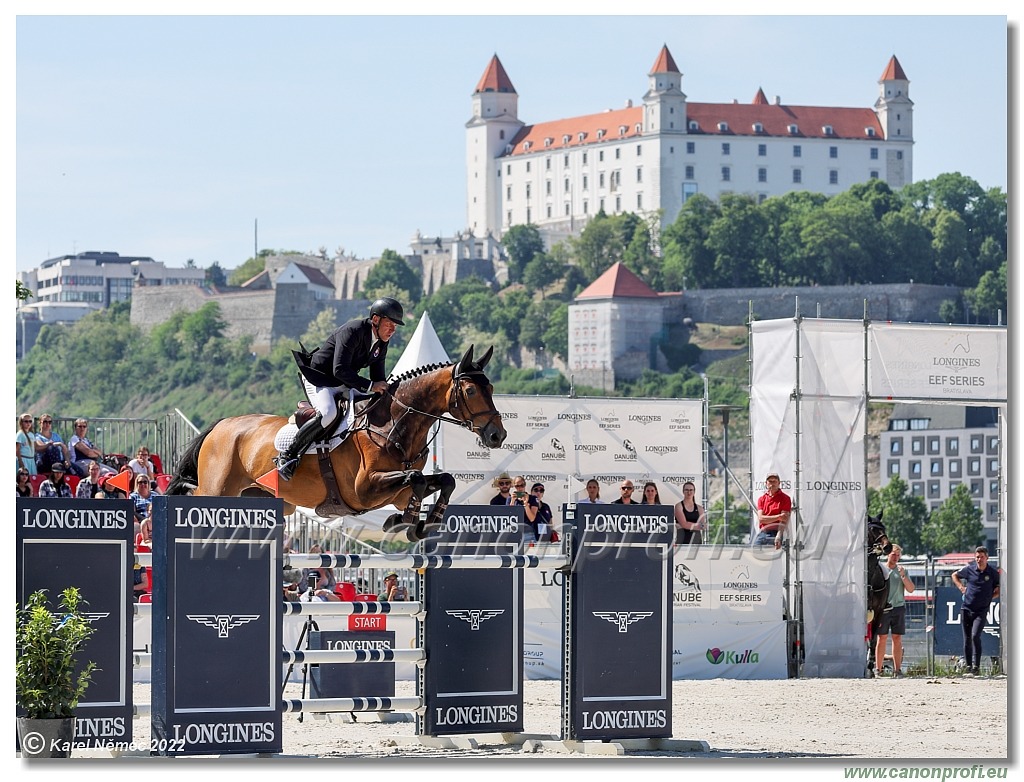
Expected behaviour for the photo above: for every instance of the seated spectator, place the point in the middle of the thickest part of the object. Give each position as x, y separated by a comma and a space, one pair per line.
89, 487
82, 447
142, 464
56, 485
392, 589
140, 581
25, 444
54, 449
142, 497
144, 539
24, 484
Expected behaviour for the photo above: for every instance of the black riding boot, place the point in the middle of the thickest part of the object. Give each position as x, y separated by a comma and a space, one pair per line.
309, 433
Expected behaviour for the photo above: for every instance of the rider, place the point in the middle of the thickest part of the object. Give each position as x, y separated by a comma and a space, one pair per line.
334, 368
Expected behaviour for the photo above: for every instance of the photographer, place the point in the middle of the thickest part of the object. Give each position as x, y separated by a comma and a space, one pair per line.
531, 507
392, 589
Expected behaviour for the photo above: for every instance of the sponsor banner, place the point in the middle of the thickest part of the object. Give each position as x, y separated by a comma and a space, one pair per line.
479, 613
404, 628
564, 442
949, 637
352, 680
958, 363
217, 625
743, 586
88, 545
620, 623
724, 650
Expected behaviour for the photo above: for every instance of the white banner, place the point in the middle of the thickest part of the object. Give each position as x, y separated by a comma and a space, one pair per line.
927, 361
722, 650
726, 584
564, 442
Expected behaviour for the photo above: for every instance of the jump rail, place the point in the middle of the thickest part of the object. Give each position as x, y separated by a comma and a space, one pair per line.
428, 561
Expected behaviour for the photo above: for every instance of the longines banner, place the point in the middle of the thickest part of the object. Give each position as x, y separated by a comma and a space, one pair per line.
217, 625
88, 545
949, 637
959, 363
562, 443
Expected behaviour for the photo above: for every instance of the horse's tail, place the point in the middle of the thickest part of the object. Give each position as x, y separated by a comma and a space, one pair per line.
187, 477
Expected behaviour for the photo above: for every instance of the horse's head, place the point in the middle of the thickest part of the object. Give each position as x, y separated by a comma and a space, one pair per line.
878, 541
470, 399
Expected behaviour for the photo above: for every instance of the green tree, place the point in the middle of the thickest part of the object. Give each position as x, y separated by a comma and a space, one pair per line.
215, 275
949, 311
739, 522
907, 246
320, 328
556, 337
904, 514
953, 262
735, 239
688, 260
448, 311
250, 268
20, 291
955, 525
541, 272
522, 243
392, 276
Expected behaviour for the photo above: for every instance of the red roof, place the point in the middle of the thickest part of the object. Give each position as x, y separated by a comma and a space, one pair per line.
664, 63
893, 71
495, 79
760, 99
618, 282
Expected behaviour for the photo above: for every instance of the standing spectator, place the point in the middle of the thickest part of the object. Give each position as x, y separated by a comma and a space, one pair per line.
24, 484
82, 447
593, 493
89, 487
504, 484
773, 510
544, 514
894, 618
25, 444
979, 584
142, 464
651, 496
142, 497
690, 517
54, 449
626, 490
529, 504
55, 485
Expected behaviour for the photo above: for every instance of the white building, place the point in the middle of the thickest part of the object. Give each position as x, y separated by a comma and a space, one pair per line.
557, 174
935, 448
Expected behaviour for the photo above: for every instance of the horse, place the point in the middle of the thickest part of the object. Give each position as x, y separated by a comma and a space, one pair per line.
878, 583
379, 462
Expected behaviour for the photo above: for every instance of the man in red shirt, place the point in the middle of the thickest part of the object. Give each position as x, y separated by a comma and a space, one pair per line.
773, 509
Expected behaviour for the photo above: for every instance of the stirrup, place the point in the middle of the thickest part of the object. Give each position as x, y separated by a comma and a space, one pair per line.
285, 466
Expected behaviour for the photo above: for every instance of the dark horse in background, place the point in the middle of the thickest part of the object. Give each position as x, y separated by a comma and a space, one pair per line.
878, 585
379, 463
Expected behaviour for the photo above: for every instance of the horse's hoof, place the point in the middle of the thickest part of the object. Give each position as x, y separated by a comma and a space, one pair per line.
412, 534
393, 523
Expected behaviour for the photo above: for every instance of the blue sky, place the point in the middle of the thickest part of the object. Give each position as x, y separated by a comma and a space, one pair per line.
169, 136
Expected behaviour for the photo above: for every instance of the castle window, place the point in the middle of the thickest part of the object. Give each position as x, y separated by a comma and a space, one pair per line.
798, 176
618, 203
547, 187
600, 156
793, 129
691, 147
726, 174
639, 200
617, 153
585, 207
639, 175
600, 134
600, 179
694, 125
508, 192
726, 148
508, 169
899, 155
549, 211
566, 139
639, 150
526, 146
501, 135
762, 150
566, 185
547, 164
762, 175
566, 208
527, 166
622, 130
797, 150
827, 130
757, 127
565, 161
548, 141
833, 177
584, 158
638, 128
870, 132
874, 153
833, 152
585, 181
689, 172
581, 136
723, 127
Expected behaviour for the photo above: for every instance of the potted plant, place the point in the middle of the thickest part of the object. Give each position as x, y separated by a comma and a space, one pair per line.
47, 689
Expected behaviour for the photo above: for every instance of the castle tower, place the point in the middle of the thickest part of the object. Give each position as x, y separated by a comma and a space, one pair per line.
895, 111
492, 127
664, 102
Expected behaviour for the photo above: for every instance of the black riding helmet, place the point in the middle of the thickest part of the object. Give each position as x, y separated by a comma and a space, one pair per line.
388, 308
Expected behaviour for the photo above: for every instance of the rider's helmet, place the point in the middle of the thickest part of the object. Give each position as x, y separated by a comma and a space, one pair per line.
388, 308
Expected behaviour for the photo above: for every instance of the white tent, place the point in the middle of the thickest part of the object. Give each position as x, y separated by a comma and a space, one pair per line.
424, 348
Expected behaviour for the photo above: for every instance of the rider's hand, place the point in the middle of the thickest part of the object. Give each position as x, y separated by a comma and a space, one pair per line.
378, 386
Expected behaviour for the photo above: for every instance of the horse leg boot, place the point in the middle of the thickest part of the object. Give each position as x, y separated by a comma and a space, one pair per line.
311, 432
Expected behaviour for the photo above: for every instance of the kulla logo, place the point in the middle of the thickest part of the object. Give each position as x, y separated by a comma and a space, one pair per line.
717, 656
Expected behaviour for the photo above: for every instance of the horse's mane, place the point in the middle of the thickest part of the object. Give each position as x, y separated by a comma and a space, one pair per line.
422, 371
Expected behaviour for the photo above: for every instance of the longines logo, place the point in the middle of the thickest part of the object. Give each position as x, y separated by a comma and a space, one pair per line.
591, 448
678, 480
222, 623
740, 579
468, 476
610, 421
661, 450
537, 420
474, 616
518, 447
623, 619
644, 419
833, 488
679, 423
509, 416
574, 416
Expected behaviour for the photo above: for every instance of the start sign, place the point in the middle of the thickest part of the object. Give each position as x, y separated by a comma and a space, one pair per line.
358, 622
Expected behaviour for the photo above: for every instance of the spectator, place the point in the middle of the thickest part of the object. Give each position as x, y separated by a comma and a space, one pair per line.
894, 618
142, 497
54, 449
773, 510
392, 589
651, 496
544, 514
521, 497
25, 444
82, 447
24, 484
323, 586
144, 538
979, 584
626, 490
142, 464
690, 517
89, 487
55, 485
140, 580
504, 484
593, 493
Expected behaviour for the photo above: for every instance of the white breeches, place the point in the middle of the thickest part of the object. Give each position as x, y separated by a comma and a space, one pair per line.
322, 398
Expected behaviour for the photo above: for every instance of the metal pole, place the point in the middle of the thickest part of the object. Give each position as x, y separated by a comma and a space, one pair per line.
725, 512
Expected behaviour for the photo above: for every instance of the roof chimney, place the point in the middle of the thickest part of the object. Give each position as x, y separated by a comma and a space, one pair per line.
778, 101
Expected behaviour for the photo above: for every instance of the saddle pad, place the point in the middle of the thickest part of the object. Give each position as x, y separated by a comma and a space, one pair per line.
286, 435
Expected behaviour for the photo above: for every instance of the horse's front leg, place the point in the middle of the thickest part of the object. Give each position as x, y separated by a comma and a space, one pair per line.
398, 482
445, 484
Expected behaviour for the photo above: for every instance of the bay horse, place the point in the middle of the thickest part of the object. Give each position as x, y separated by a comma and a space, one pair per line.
878, 583
379, 462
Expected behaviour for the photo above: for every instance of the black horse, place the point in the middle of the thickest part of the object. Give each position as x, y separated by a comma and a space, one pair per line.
878, 584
